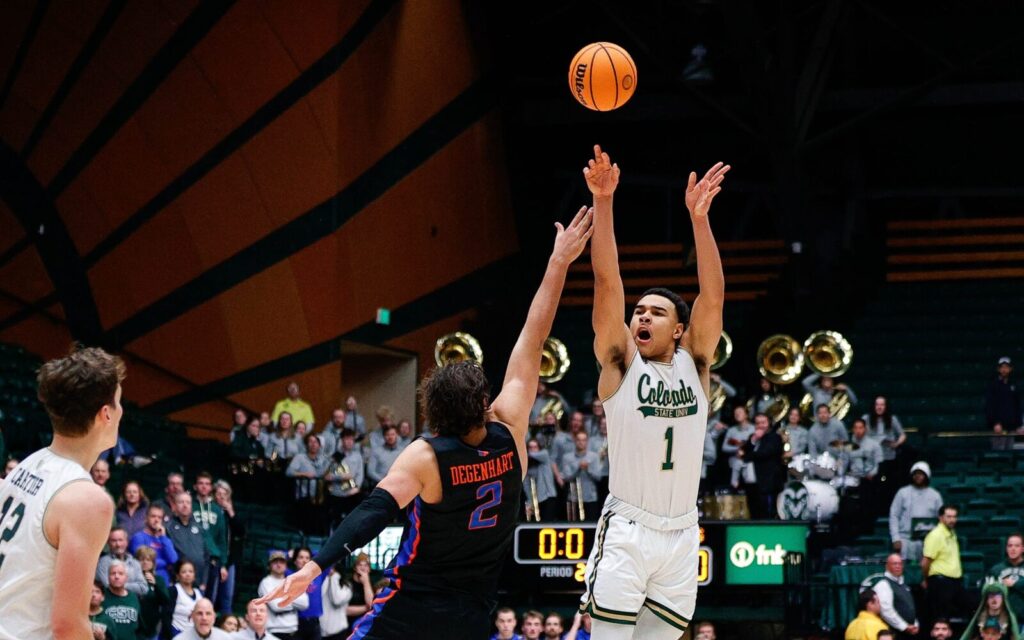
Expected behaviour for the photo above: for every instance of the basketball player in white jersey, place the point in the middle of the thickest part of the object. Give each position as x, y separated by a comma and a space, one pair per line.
54, 520
641, 579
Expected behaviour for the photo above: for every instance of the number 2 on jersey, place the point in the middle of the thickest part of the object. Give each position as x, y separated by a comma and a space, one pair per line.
17, 514
477, 520
667, 465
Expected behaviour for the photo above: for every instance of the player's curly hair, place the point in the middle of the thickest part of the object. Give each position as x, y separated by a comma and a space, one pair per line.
682, 309
454, 398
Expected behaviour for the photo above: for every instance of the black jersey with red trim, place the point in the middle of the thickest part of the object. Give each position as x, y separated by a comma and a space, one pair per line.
460, 542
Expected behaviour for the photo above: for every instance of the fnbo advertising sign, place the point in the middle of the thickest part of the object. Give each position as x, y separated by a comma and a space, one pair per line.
755, 553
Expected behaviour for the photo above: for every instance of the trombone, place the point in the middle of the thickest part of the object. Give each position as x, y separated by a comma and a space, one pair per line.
534, 502
571, 514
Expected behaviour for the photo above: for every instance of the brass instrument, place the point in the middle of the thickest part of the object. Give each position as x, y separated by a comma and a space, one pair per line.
776, 411
554, 360
579, 511
780, 359
828, 354
579, 498
457, 347
722, 354
342, 470
535, 503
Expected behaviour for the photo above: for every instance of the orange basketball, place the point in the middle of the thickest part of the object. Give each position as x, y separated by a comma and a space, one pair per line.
602, 76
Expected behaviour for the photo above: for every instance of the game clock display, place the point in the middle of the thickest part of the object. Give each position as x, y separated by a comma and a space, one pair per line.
553, 543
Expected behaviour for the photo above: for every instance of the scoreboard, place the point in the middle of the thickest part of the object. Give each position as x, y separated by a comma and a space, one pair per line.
553, 556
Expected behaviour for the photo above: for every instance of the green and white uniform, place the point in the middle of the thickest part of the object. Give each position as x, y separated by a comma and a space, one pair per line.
27, 559
645, 554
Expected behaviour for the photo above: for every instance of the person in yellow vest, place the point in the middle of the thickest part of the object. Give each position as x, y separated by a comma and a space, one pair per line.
943, 574
295, 405
868, 622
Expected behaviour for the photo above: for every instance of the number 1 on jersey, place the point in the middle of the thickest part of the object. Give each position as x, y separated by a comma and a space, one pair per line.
667, 465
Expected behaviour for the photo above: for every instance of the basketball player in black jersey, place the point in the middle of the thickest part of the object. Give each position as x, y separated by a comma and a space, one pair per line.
461, 490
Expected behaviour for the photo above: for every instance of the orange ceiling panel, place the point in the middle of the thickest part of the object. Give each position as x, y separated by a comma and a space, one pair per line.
139, 32
40, 336
11, 230
125, 282
61, 35
25, 276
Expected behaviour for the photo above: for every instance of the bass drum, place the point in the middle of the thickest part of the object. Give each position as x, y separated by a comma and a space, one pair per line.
808, 500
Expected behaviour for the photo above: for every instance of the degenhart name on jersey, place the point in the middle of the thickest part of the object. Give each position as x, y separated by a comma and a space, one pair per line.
27, 482
660, 401
496, 466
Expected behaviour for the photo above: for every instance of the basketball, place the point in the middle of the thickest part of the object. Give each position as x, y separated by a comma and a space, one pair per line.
602, 76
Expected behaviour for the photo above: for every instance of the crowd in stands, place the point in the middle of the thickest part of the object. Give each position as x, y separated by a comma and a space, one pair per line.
170, 566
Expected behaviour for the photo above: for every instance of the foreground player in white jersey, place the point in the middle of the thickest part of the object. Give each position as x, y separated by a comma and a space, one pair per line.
54, 520
641, 579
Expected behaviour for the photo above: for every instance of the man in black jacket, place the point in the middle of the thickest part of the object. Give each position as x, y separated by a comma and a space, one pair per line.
1002, 404
764, 449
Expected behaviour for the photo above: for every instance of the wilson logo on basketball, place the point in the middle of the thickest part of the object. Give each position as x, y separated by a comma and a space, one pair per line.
581, 72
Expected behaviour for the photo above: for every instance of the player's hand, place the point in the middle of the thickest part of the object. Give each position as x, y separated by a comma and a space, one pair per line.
700, 194
602, 176
570, 241
292, 587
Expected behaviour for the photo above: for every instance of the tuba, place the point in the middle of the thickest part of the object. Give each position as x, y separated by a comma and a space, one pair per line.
554, 360
776, 411
346, 485
722, 354
457, 347
780, 359
554, 363
829, 354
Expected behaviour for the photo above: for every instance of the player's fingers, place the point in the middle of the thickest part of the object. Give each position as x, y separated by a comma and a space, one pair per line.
597, 151
714, 192
586, 172
559, 228
579, 216
712, 170
615, 169
605, 159
691, 181
591, 164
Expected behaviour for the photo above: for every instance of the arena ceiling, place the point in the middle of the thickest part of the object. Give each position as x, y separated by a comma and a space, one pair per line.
225, 190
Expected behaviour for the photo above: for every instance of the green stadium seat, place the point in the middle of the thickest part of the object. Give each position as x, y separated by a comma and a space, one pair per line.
971, 525
1002, 525
1012, 477
981, 479
997, 460
960, 493
1004, 493
982, 508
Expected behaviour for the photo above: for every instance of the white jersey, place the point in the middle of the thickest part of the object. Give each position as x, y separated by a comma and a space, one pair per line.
27, 559
656, 424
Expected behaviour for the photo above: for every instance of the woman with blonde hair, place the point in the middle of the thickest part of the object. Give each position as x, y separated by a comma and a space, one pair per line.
131, 508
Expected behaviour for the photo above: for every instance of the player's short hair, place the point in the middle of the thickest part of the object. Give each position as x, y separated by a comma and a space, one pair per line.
74, 388
454, 398
504, 610
682, 309
533, 614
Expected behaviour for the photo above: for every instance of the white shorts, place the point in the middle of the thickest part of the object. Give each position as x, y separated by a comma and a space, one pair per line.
633, 566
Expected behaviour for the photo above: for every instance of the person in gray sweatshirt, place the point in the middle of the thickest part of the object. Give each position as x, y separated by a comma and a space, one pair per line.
735, 436
822, 388
824, 432
540, 476
913, 512
581, 469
